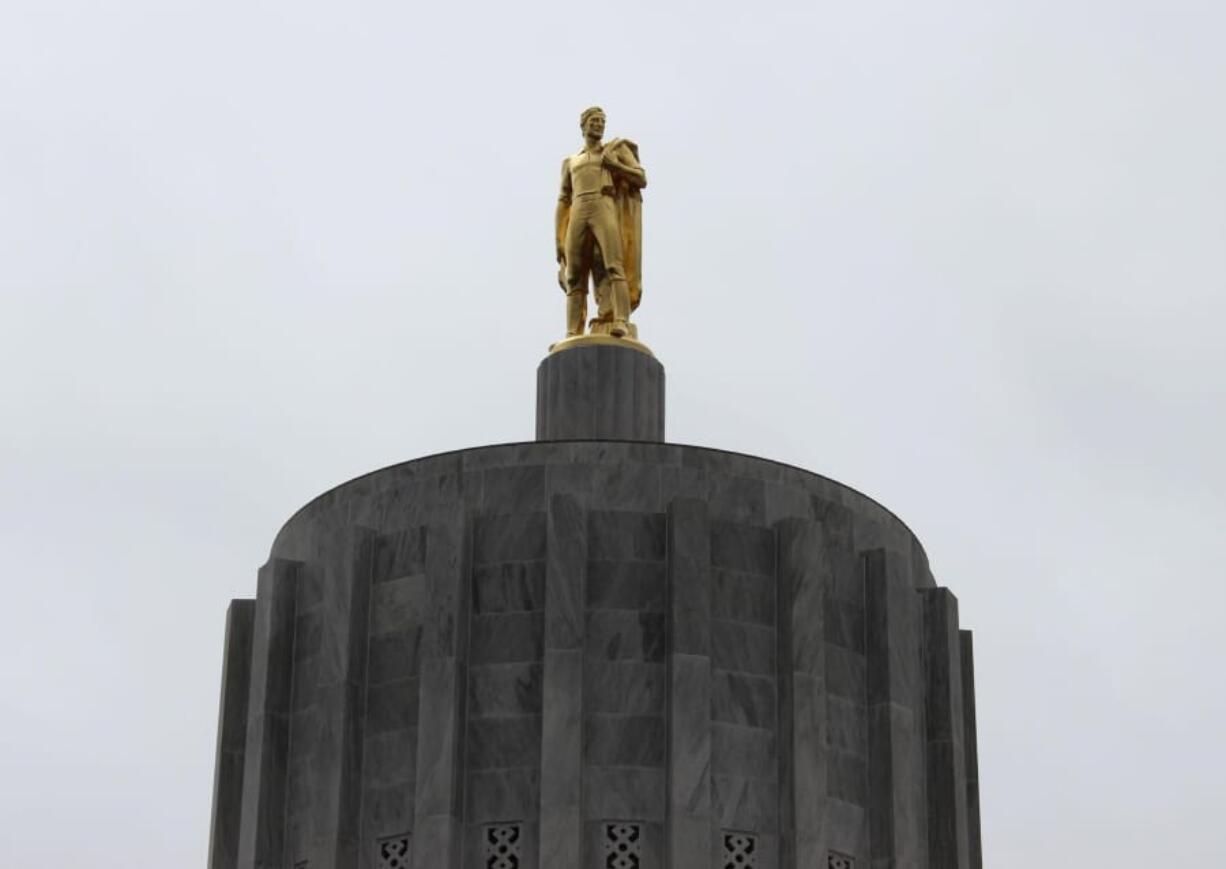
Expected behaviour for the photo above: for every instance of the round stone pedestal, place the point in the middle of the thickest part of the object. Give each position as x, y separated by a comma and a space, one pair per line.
600, 389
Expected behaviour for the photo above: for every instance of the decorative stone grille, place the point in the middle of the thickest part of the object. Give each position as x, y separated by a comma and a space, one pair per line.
623, 846
740, 850
394, 852
502, 846
840, 861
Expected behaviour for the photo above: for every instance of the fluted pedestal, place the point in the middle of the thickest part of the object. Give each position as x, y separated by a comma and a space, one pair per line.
600, 389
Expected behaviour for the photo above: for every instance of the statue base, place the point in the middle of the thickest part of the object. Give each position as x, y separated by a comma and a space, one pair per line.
597, 339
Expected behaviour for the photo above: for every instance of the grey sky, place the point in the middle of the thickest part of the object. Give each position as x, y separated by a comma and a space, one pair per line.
966, 257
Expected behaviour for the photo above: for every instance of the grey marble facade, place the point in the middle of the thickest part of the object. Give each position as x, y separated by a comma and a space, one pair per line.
597, 654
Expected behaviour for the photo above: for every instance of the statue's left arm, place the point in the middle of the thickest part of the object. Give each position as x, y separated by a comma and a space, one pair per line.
620, 158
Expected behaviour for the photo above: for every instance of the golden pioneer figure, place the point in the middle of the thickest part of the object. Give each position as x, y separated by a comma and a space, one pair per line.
599, 231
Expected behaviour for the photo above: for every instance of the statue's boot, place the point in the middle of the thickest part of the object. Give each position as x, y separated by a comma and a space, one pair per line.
621, 309
576, 313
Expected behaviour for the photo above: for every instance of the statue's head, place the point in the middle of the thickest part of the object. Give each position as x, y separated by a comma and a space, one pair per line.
592, 122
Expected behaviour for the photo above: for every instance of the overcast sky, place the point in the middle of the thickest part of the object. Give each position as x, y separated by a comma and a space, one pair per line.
969, 258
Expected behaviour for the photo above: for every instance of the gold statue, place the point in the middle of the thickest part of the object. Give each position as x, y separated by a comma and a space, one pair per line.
599, 231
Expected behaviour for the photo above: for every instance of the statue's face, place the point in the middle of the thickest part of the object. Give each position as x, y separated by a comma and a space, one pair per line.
594, 125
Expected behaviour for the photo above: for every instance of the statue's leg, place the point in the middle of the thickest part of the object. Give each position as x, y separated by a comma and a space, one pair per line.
578, 252
604, 298
576, 313
608, 236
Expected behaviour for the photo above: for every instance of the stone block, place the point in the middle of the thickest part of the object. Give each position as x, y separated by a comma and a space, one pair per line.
742, 751
621, 535
391, 757
846, 673
395, 655
746, 548
740, 500
397, 604
506, 637
787, 500
387, 810
504, 689
391, 705
399, 553
681, 482
625, 792
740, 803
738, 698
625, 687
437, 841
844, 624
847, 725
561, 837
499, 794
625, 740
494, 743
573, 478
748, 597
689, 842
848, 779
847, 830
518, 586
743, 647
630, 585
513, 489
621, 635
308, 632
509, 537
632, 486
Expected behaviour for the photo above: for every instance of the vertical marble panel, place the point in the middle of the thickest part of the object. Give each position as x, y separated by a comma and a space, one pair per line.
330, 655
261, 840
231, 736
689, 672
970, 735
353, 568
439, 803
893, 652
803, 578
561, 821
947, 827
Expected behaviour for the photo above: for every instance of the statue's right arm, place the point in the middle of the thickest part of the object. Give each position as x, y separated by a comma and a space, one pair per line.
562, 216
